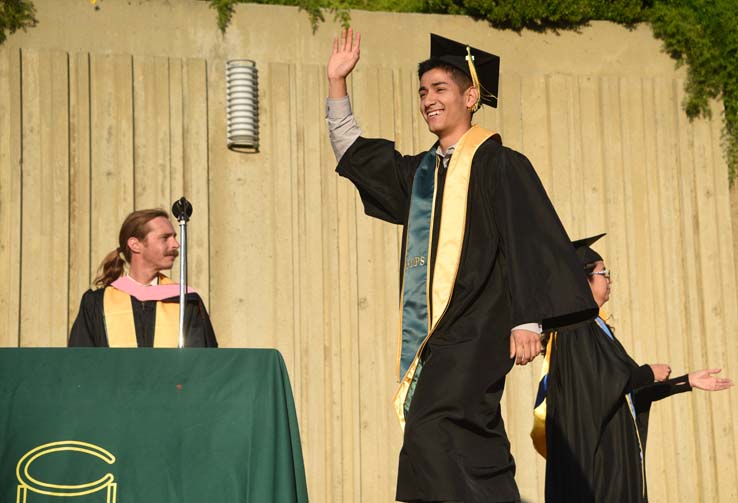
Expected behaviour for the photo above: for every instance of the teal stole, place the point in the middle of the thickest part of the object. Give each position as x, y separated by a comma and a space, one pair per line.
415, 315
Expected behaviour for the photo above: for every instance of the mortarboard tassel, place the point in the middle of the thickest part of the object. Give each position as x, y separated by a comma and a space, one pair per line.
475, 80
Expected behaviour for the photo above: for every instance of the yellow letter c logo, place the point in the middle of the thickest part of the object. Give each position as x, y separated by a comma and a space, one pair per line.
28, 483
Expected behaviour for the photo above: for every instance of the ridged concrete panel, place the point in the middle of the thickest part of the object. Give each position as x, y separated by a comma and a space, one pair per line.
44, 198
10, 196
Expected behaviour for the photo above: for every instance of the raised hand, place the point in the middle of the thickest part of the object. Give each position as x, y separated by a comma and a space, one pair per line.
343, 59
705, 380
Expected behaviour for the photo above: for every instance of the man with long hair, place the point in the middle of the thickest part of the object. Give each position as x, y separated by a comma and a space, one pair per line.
140, 307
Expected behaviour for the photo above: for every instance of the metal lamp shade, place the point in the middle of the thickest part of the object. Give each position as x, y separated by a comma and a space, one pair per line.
242, 105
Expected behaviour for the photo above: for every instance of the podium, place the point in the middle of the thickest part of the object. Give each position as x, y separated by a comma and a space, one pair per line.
142, 425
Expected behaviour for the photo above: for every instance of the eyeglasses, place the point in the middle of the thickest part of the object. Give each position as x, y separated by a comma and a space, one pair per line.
604, 273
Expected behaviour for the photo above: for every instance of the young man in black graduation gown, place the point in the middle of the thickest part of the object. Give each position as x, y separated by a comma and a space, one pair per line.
597, 403
485, 261
141, 308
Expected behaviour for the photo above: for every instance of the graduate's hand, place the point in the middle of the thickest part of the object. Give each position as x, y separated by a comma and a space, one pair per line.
661, 371
343, 59
524, 346
705, 380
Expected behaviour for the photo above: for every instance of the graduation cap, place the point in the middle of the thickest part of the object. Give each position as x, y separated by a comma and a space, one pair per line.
482, 67
585, 254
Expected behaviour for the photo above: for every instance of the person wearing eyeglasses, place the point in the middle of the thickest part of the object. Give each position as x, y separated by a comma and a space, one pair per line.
593, 403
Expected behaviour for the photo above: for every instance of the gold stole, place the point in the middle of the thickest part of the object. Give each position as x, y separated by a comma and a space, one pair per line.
448, 252
119, 325
538, 433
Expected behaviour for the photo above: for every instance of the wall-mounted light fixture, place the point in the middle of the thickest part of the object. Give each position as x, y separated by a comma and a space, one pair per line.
242, 105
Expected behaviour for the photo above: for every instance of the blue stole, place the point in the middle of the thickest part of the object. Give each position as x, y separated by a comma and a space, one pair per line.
415, 298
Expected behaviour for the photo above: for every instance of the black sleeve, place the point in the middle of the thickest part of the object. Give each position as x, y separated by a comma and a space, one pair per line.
200, 333
545, 279
656, 391
639, 377
586, 366
382, 176
88, 329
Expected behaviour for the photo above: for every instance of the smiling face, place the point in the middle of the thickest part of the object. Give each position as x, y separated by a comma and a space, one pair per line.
446, 108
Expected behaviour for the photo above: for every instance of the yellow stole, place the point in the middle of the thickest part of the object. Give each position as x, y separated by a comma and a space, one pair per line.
119, 325
448, 254
538, 433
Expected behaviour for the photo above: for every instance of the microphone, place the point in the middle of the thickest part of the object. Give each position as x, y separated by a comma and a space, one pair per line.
182, 209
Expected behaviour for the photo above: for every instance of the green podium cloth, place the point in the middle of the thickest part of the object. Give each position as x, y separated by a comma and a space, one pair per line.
190, 425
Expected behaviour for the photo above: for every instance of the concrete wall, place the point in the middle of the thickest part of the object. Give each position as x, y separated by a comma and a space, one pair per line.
122, 107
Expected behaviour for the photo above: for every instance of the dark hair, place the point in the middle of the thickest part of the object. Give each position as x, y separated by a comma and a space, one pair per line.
135, 225
462, 79
589, 268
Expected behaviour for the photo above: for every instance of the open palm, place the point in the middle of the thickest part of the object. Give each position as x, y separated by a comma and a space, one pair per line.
705, 380
345, 54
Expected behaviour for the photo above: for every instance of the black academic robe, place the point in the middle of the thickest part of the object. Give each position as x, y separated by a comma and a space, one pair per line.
88, 329
592, 441
517, 266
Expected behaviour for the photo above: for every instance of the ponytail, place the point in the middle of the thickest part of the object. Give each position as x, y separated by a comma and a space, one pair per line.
111, 268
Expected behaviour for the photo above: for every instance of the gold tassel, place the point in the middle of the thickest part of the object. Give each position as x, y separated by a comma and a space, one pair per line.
475, 81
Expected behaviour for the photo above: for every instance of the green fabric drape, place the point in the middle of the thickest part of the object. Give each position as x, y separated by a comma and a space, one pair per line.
188, 425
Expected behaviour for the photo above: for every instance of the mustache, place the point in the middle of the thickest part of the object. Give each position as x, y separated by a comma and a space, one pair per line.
173, 253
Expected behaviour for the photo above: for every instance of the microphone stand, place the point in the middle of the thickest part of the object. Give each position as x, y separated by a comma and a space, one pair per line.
182, 211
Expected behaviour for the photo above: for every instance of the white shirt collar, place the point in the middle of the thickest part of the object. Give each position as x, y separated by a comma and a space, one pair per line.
445, 158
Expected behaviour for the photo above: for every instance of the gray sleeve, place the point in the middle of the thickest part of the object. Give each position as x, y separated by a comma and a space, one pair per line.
531, 327
342, 126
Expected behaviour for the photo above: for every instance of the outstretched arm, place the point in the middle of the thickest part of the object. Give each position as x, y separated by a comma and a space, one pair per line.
343, 59
701, 379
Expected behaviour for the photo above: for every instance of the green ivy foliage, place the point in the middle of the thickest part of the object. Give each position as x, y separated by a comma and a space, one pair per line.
541, 15
15, 15
314, 8
703, 35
